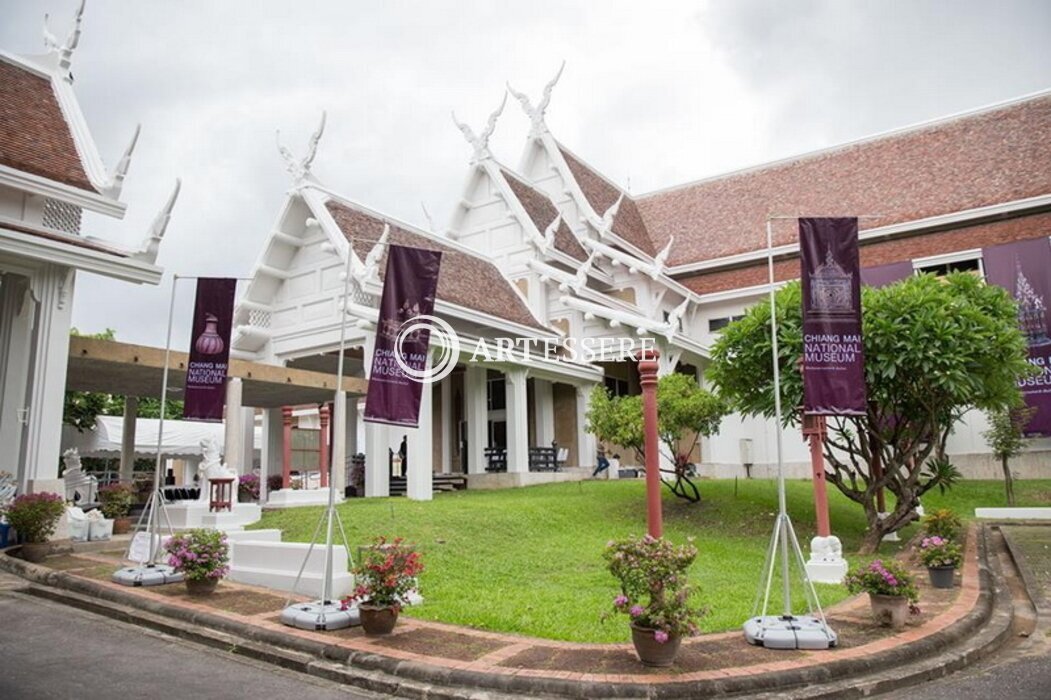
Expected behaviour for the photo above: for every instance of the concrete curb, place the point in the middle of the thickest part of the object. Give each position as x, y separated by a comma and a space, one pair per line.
405, 678
1033, 589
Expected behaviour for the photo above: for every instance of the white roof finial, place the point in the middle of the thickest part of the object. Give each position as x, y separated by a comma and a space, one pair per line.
480, 143
65, 51
116, 178
152, 243
536, 114
300, 169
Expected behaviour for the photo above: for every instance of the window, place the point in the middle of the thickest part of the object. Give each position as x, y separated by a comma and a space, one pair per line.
717, 324
943, 269
616, 387
497, 394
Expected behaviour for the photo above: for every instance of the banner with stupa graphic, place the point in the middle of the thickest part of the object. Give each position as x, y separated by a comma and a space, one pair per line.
213, 317
1023, 269
833, 356
402, 336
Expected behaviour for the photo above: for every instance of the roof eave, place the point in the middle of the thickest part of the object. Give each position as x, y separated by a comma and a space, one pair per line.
45, 187
128, 269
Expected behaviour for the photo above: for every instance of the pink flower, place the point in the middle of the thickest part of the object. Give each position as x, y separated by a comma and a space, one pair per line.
636, 610
620, 601
660, 636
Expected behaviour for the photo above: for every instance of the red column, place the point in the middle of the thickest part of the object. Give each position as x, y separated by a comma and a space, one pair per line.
324, 413
286, 448
648, 380
814, 429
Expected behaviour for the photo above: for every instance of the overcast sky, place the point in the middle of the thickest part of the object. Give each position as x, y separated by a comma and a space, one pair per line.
655, 93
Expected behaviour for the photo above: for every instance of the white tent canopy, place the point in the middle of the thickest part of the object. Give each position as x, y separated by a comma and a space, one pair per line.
182, 439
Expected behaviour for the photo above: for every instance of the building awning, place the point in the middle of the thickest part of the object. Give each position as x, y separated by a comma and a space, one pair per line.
137, 370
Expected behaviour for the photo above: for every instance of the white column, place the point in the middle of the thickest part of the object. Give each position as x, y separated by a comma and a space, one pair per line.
517, 421
247, 439
17, 311
476, 408
448, 434
273, 439
377, 440
544, 412
420, 449
339, 443
127, 439
48, 379
377, 469
586, 449
354, 441
233, 428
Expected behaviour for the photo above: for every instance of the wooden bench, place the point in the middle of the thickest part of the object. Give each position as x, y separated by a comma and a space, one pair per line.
544, 459
495, 459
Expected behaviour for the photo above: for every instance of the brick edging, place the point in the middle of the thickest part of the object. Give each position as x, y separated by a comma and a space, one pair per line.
539, 682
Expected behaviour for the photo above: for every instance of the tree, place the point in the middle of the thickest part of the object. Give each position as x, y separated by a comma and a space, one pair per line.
685, 413
935, 347
1006, 438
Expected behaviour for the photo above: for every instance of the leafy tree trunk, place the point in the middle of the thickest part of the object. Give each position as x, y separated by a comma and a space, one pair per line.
1009, 484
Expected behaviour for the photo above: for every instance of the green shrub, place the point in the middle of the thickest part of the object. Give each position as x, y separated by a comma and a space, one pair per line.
942, 523
116, 500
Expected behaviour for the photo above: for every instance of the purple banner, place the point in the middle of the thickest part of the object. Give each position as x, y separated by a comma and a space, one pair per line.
1022, 269
882, 275
833, 356
209, 350
403, 332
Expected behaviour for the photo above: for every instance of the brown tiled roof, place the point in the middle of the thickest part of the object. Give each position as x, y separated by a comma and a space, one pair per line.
975, 160
67, 238
628, 224
882, 252
34, 135
465, 279
542, 211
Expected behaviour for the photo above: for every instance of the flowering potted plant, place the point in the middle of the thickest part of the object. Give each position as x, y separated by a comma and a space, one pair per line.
201, 556
941, 557
34, 516
943, 522
385, 576
115, 500
248, 487
654, 594
892, 591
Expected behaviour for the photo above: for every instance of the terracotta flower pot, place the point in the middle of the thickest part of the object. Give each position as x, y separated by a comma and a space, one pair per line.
650, 651
201, 587
377, 620
890, 610
121, 526
941, 576
35, 552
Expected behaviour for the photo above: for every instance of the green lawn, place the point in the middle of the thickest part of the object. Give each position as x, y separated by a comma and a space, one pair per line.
529, 560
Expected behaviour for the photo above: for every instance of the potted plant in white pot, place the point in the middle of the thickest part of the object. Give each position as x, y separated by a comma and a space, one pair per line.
34, 516
655, 594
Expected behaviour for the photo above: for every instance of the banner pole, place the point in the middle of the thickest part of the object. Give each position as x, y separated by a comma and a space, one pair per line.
325, 614
785, 631
154, 516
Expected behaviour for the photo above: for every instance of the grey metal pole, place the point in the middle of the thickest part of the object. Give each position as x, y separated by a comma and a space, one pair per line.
155, 519
783, 508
